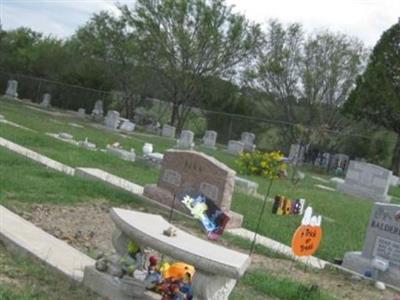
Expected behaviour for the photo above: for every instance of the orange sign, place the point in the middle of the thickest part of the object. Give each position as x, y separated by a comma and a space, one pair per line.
307, 237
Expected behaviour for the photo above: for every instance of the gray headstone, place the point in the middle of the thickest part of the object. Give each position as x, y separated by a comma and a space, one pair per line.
248, 138
382, 241
82, 112
12, 86
123, 154
235, 147
46, 101
186, 140
366, 180
168, 131
296, 153
210, 139
127, 126
98, 112
340, 160
112, 119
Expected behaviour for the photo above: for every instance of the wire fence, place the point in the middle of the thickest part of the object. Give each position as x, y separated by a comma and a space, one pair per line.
270, 134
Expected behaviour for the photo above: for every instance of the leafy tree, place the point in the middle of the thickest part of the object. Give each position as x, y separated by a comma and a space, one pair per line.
377, 94
304, 80
185, 41
108, 40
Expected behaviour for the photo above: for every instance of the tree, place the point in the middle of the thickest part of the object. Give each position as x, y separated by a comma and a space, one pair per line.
305, 80
377, 94
185, 41
109, 40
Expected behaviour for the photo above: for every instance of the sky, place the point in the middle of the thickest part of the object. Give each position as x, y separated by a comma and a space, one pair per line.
364, 19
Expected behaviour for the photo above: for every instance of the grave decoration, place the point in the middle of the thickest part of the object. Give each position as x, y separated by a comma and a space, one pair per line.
268, 165
173, 282
307, 237
287, 207
207, 212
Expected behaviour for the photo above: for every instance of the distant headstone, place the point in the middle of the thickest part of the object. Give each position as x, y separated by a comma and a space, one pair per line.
46, 101
296, 153
168, 131
210, 139
82, 112
98, 112
121, 153
395, 181
191, 171
112, 119
127, 126
246, 186
11, 91
366, 180
382, 243
248, 139
147, 149
186, 140
235, 147
341, 161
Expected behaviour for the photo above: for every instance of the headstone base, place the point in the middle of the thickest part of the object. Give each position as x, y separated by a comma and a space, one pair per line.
358, 192
115, 288
356, 262
166, 198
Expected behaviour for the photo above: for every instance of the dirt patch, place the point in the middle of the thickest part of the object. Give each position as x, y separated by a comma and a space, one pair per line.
88, 227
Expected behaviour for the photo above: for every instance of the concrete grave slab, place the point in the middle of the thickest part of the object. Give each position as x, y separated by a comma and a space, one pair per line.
278, 247
324, 187
24, 238
44, 160
108, 178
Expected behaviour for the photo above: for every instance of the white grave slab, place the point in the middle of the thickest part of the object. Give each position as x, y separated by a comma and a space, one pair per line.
24, 238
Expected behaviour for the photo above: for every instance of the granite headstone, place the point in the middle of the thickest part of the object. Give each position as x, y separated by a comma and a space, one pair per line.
366, 180
383, 242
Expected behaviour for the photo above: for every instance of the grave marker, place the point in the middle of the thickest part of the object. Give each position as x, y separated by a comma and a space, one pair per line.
382, 241
185, 171
366, 180
12, 86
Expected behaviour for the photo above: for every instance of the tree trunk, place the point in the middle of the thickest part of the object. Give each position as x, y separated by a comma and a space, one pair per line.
396, 157
174, 114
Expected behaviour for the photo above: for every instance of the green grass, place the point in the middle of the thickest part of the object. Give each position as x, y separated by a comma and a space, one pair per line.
29, 280
346, 217
282, 288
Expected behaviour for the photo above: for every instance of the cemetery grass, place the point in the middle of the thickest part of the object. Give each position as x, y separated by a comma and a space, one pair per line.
22, 278
345, 218
30, 183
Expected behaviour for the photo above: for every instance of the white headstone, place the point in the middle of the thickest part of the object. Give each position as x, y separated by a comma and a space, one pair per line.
147, 149
210, 139
12, 86
46, 101
127, 126
112, 119
168, 131
186, 140
248, 138
235, 147
367, 181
